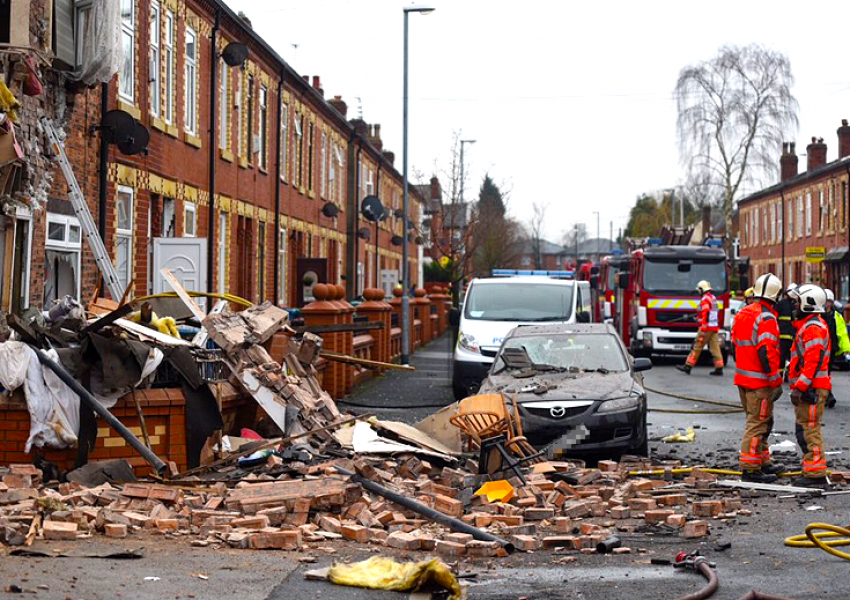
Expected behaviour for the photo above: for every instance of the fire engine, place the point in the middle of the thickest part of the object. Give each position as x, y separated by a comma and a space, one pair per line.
610, 268
658, 304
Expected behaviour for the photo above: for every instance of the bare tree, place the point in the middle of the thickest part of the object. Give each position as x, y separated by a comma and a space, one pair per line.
734, 112
536, 228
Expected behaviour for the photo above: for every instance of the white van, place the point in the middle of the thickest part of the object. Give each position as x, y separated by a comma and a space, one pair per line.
495, 305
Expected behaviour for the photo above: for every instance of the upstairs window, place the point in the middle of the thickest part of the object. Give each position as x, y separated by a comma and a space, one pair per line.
249, 106
126, 77
264, 120
310, 137
323, 166
191, 96
284, 142
299, 149
168, 56
224, 101
154, 68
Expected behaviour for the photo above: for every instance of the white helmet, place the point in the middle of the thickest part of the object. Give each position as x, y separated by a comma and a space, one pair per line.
791, 289
703, 286
812, 298
768, 287
830, 297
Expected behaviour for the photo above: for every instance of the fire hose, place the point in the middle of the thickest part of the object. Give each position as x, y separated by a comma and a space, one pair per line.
730, 407
831, 536
696, 562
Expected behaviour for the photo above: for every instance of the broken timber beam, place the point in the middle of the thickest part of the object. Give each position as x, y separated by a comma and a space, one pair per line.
344, 328
375, 364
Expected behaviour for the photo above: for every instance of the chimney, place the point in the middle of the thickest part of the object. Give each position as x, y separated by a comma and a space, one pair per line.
436, 191
789, 160
306, 79
375, 137
361, 127
815, 154
844, 139
340, 106
317, 85
245, 19
390, 156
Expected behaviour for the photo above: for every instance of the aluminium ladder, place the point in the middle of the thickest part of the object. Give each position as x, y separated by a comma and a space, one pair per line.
81, 209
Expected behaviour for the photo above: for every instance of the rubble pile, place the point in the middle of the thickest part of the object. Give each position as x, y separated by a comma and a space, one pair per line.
563, 507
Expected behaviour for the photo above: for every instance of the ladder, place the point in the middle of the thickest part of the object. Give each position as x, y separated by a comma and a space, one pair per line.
81, 209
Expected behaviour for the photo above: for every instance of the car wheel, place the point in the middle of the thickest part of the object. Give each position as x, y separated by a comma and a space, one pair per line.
459, 391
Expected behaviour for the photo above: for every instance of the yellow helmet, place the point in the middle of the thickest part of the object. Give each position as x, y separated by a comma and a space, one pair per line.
749, 293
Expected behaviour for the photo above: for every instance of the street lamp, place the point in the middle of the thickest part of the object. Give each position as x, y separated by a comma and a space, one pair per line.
405, 268
462, 142
595, 212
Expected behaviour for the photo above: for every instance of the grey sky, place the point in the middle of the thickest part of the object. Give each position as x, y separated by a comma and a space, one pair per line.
571, 102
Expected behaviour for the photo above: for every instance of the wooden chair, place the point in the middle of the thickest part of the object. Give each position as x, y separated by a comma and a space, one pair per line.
480, 417
517, 443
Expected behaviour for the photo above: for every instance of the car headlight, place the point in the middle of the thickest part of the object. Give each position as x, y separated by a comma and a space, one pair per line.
468, 342
631, 402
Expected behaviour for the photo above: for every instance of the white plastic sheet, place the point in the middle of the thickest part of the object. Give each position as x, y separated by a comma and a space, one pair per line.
100, 28
54, 408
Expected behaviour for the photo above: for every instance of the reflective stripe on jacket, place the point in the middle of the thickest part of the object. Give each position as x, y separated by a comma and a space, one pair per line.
709, 319
810, 356
756, 327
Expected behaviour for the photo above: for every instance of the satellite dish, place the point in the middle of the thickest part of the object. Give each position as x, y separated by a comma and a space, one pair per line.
397, 240
136, 142
117, 125
364, 233
235, 54
330, 210
372, 209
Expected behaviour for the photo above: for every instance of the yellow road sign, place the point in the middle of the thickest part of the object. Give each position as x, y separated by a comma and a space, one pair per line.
815, 254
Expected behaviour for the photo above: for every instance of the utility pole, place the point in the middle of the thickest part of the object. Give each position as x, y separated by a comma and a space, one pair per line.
576, 241
597, 236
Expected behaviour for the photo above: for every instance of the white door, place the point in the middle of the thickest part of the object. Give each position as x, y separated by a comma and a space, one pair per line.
389, 279
186, 258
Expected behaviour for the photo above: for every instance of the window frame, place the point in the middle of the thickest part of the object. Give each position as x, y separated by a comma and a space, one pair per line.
323, 166
65, 244
222, 252
190, 95
284, 141
264, 126
281, 253
261, 261
125, 234
311, 134
190, 208
128, 30
224, 109
168, 56
299, 149
155, 59
169, 205
249, 120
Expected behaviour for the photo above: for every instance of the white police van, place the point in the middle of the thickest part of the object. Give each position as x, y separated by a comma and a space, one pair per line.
493, 306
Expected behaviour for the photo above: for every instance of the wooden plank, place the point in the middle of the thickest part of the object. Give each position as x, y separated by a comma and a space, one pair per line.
200, 339
152, 334
353, 327
196, 310
769, 487
108, 319
281, 491
351, 360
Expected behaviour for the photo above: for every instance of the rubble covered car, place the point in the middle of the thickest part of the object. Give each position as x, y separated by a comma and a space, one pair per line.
578, 391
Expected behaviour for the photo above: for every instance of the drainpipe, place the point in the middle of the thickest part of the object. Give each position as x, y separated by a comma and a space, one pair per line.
102, 174
276, 261
377, 223
784, 226
212, 157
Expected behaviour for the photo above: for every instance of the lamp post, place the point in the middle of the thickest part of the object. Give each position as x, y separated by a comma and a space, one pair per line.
596, 212
405, 268
462, 142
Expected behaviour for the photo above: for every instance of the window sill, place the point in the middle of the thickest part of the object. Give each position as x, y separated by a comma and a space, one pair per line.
172, 131
127, 107
159, 124
193, 140
243, 162
226, 155
262, 170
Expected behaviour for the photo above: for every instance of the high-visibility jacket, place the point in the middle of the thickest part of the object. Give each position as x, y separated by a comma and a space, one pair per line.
756, 327
810, 356
708, 313
843, 345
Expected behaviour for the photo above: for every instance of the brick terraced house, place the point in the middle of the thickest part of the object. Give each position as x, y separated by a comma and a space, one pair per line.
805, 210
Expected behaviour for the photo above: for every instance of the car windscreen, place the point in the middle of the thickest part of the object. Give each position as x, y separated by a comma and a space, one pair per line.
682, 276
573, 351
526, 302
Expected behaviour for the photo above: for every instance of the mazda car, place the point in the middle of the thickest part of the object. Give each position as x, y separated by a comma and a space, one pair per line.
576, 388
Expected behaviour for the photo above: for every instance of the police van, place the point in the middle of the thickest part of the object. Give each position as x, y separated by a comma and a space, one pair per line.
493, 306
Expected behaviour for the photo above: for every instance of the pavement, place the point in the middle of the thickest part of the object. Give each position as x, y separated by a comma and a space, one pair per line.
756, 559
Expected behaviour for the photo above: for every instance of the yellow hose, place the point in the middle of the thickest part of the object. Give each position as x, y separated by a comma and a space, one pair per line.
818, 540
689, 470
228, 297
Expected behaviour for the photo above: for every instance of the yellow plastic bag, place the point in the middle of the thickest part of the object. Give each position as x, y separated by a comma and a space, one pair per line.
381, 573
678, 438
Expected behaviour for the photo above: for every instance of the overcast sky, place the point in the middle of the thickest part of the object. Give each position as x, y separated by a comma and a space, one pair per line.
571, 103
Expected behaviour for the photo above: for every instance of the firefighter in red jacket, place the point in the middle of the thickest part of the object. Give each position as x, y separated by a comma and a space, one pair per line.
810, 381
756, 338
709, 325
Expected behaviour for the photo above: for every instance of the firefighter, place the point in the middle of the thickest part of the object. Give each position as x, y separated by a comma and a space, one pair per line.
748, 296
756, 339
707, 334
837, 338
810, 382
785, 312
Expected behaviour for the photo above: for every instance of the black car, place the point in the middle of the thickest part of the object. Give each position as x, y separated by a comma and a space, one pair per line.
577, 389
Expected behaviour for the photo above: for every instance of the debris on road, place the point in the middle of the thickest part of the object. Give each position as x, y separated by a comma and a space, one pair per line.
680, 438
381, 573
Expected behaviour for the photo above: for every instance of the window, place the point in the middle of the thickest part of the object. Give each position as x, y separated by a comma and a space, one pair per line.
323, 166
154, 72
124, 236
222, 253
281, 265
284, 142
809, 213
370, 184
800, 215
299, 148
168, 55
126, 77
264, 123
168, 221
81, 33
224, 125
339, 183
261, 262
190, 219
756, 227
821, 212
780, 213
63, 248
240, 125
191, 83
310, 137
791, 218
249, 135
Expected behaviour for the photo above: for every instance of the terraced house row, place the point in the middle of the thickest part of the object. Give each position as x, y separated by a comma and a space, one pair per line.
290, 169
